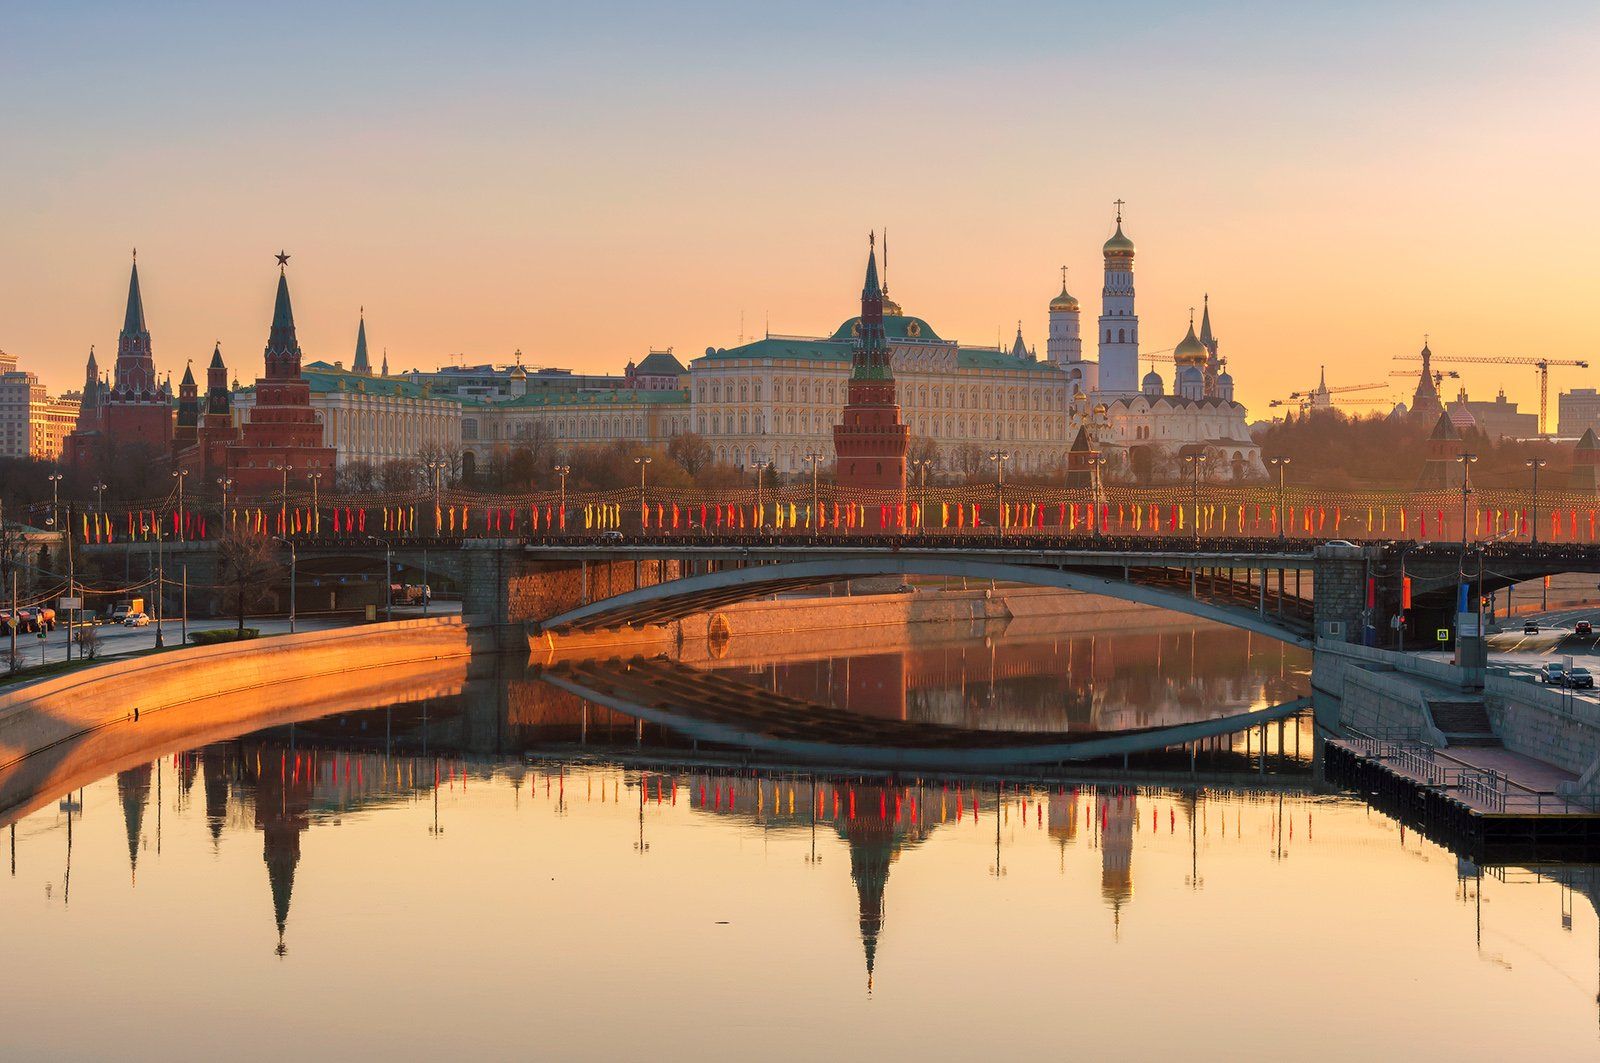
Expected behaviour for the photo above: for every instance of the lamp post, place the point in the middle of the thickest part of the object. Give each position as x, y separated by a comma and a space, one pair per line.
292, 576
314, 477
563, 471
99, 495
55, 500
1196, 463
223, 483
1097, 463
1280, 462
643, 463
1536, 464
1000, 457
283, 509
1466, 461
180, 475
388, 577
922, 465
813, 459
435, 471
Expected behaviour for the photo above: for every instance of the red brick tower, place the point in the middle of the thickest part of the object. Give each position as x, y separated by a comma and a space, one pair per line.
207, 458
136, 411
870, 442
283, 430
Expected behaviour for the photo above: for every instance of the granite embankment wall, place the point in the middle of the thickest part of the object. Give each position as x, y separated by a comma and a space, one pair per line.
1386, 693
38, 716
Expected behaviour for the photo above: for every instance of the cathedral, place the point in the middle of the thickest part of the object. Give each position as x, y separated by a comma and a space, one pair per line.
1144, 431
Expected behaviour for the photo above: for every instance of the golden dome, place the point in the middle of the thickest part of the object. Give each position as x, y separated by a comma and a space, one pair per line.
1119, 246
1191, 351
1064, 301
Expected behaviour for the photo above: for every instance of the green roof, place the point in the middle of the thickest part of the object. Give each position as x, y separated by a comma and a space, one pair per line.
787, 348
598, 397
990, 358
660, 363
894, 327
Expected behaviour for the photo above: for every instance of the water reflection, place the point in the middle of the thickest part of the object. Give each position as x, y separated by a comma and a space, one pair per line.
507, 869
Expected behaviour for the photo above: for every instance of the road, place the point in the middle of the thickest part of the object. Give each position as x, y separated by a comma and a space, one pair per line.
115, 640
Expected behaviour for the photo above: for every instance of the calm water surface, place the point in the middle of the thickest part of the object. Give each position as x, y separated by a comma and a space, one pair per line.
460, 876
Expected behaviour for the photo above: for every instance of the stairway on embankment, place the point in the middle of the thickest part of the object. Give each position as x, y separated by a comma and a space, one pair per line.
1463, 722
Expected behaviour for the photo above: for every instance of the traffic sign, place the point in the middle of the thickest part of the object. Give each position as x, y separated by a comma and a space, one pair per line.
69, 603
1443, 634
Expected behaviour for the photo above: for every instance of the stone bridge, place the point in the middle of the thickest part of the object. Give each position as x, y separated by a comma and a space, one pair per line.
589, 582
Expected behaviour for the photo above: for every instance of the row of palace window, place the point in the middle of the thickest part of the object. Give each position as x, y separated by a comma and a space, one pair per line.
937, 396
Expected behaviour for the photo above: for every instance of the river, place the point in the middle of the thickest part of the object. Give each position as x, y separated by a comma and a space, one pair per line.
506, 870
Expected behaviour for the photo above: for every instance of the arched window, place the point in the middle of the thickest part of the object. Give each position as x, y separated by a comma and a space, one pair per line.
1121, 337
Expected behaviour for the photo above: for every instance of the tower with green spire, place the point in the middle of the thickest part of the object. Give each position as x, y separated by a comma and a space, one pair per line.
870, 441
283, 433
362, 364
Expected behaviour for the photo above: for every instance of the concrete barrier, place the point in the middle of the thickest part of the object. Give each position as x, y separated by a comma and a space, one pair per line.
36, 716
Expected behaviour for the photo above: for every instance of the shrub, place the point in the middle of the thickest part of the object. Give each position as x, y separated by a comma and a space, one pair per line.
225, 634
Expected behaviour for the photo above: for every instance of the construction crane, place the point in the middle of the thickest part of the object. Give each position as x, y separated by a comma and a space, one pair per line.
1336, 391
1438, 375
1541, 364
1303, 400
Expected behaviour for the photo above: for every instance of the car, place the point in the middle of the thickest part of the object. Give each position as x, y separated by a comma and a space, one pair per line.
611, 535
1553, 674
136, 620
1530, 627
1580, 679
1583, 629
1340, 542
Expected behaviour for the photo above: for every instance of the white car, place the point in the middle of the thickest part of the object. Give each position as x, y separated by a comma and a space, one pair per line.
135, 620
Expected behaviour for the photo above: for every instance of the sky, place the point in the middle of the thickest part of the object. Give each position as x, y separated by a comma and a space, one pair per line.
586, 182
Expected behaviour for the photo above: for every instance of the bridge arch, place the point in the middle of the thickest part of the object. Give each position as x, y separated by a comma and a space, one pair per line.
676, 599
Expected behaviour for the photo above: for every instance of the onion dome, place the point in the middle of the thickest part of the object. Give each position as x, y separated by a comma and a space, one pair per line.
1119, 246
1191, 351
1151, 385
1064, 301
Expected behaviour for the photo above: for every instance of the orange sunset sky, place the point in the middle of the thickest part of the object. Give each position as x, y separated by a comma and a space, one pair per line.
584, 182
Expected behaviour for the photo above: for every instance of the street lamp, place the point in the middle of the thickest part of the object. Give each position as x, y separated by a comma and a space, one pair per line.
922, 465
1196, 463
1097, 462
563, 471
1466, 461
283, 514
388, 577
1000, 457
223, 483
55, 500
99, 495
180, 475
292, 574
436, 468
643, 463
314, 477
813, 459
1280, 462
1536, 464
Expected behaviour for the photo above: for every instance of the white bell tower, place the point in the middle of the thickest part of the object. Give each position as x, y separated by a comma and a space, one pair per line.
1119, 323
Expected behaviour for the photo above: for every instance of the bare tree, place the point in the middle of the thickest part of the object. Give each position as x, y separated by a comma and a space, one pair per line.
970, 461
691, 451
246, 562
924, 448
